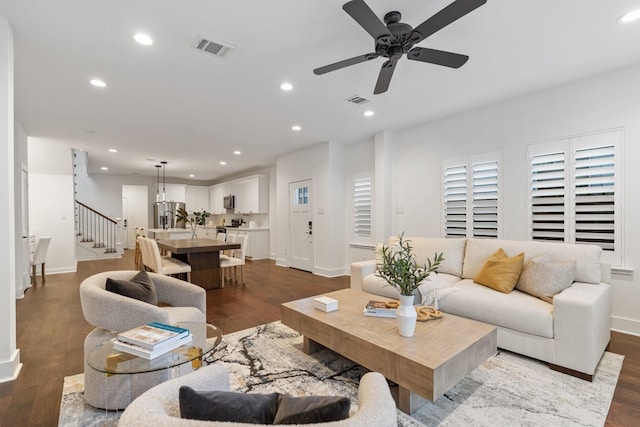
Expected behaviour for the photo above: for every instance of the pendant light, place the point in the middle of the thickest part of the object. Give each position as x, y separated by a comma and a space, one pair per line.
158, 183
163, 180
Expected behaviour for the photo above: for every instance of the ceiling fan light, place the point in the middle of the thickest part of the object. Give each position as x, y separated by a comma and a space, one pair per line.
630, 16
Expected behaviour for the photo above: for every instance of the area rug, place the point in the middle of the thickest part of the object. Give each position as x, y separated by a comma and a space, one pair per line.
507, 389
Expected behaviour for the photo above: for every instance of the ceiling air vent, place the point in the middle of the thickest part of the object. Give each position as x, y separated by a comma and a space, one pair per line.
218, 49
358, 100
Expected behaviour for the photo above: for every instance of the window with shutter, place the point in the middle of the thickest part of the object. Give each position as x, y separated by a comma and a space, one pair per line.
362, 206
574, 194
470, 198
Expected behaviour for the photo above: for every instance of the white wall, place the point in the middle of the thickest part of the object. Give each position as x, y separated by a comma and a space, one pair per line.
51, 201
603, 102
9, 355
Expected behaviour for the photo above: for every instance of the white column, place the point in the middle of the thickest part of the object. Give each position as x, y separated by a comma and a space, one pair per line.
9, 355
382, 188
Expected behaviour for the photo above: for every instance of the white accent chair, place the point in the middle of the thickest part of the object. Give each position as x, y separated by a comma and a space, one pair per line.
221, 236
39, 257
112, 313
237, 259
160, 405
162, 264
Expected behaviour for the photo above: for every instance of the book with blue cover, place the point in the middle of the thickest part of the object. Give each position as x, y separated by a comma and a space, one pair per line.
152, 354
153, 335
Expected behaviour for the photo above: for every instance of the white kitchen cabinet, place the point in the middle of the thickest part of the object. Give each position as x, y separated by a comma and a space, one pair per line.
216, 195
173, 192
251, 194
197, 198
257, 243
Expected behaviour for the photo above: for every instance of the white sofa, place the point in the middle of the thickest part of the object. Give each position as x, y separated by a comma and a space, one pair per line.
570, 334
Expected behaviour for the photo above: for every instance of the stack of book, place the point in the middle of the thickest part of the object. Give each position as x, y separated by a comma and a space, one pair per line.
378, 309
152, 340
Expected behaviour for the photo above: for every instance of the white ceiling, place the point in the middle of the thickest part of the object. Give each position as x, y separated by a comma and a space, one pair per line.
172, 102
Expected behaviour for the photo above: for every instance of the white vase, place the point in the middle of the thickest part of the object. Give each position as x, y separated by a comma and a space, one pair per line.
406, 316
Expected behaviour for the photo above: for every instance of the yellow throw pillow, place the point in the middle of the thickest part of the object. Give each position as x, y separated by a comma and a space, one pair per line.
500, 272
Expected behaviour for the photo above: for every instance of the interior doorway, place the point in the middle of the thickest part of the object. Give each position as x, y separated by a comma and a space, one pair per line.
26, 240
301, 225
135, 212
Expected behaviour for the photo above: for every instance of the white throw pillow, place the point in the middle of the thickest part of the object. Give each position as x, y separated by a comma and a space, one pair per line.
544, 278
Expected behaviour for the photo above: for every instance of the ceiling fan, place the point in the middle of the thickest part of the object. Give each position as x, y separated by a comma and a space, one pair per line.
394, 39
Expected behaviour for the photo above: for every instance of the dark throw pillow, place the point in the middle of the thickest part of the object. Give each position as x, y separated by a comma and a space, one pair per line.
227, 406
311, 409
140, 287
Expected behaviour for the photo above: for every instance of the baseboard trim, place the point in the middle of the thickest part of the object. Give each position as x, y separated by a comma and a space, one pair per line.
334, 272
10, 369
625, 325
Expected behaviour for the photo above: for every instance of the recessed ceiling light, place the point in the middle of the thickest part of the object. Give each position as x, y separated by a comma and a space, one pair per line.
368, 113
191, 175
286, 86
104, 168
630, 16
113, 150
295, 128
143, 38
98, 83
223, 163
237, 152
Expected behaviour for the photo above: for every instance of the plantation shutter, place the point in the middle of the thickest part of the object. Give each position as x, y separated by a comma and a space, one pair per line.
548, 204
455, 201
362, 191
484, 191
594, 186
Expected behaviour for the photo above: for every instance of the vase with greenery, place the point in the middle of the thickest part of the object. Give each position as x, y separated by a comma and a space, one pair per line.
194, 219
400, 269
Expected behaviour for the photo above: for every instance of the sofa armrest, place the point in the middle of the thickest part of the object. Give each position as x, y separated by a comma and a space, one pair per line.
359, 270
581, 316
375, 404
179, 293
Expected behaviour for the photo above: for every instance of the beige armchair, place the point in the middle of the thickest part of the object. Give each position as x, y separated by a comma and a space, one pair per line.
110, 312
159, 407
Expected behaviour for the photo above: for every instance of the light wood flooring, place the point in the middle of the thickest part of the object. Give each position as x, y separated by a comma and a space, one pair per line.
51, 329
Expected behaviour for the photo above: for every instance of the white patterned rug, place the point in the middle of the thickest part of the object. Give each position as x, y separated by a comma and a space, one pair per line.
507, 389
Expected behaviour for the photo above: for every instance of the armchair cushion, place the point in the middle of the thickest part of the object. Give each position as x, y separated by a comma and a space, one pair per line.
140, 287
215, 405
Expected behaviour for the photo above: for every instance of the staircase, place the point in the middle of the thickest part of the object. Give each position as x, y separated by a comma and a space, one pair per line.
96, 234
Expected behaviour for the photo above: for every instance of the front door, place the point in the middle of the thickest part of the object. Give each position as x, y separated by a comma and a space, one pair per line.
301, 225
134, 212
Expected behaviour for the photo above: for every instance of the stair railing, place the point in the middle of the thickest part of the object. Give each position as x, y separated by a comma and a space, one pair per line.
93, 226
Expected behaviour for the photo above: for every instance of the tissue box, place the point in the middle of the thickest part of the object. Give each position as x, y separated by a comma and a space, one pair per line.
325, 304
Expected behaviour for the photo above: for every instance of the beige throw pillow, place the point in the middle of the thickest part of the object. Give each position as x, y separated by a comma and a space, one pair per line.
544, 278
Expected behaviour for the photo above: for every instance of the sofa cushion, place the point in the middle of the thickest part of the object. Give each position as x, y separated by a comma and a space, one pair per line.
378, 286
587, 257
311, 409
543, 278
516, 310
139, 287
501, 272
213, 405
426, 247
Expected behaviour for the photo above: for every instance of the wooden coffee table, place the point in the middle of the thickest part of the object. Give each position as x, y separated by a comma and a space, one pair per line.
425, 366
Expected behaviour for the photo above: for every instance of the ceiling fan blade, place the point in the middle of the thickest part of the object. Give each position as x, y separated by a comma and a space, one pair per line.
345, 63
438, 57
368, 20
446, 16
384, 78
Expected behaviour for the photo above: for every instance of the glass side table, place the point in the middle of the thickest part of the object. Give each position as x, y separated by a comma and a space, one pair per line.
105, 358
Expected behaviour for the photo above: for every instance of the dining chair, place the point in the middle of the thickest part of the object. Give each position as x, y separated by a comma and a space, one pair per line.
39, 257
138, 252
236, 260
221, 236
165, 264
